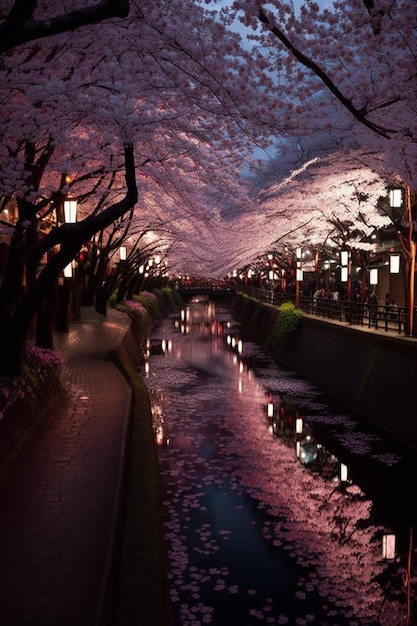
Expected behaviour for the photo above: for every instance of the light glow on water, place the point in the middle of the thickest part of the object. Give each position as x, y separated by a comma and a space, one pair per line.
253, 536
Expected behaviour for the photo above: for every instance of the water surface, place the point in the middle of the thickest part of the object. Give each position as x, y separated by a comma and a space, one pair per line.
265, 524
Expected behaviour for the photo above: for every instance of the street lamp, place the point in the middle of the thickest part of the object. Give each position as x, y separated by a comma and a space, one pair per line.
298, 276
70, 216
70, 211
373, 276
396, 198
344, 262
394, 264
401, 197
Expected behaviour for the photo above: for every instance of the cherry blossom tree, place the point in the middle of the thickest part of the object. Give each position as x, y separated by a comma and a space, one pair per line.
74, 101
350, 66
348, 70
179, 83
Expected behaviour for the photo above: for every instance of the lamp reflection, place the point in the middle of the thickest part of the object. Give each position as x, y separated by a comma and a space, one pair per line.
159, 435
344, 473
388, 546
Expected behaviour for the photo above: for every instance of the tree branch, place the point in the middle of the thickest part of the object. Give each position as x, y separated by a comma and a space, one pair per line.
376, 16
82, 231
71, 237
19, 26
307, 62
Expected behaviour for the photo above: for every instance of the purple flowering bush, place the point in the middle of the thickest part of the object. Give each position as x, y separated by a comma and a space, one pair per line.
26, 400
42, 367
150, 302
138, 313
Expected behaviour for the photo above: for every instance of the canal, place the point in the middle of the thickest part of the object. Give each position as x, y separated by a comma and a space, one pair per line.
279, 506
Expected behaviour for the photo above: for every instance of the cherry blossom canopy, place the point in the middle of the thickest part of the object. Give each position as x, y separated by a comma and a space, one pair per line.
254, 124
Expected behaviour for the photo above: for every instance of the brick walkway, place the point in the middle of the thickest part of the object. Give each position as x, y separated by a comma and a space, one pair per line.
57, 508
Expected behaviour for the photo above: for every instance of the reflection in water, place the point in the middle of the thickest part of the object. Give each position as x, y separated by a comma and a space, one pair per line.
277, 505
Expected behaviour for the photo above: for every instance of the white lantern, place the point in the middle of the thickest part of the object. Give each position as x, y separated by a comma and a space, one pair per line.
122, 253
373, 276
394, 264
344, 275
396, 198
68, 271
70, 211
344, 257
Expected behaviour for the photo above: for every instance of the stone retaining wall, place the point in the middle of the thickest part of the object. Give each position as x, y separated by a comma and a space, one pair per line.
373, 374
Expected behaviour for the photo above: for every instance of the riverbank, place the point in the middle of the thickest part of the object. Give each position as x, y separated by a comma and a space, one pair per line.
372, 374
137, 592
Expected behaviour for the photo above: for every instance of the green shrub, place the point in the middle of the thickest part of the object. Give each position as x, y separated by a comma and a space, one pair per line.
173, 297
287, 322
113, 299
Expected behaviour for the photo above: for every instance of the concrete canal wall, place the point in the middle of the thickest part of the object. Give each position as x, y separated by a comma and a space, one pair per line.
373, 374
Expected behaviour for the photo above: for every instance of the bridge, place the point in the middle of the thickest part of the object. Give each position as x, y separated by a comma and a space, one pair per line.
195, 287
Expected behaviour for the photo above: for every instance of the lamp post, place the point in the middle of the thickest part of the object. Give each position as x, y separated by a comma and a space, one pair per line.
412, 245
298, 276
345, 270
66, 286
70, 215
396, 198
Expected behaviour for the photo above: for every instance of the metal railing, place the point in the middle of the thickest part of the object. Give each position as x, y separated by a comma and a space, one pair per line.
355, 313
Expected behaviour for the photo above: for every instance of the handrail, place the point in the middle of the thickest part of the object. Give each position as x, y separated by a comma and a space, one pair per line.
355, 313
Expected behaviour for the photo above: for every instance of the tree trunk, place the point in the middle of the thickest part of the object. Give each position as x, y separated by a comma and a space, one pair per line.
63, 308
45, 322
12, 355
101, 301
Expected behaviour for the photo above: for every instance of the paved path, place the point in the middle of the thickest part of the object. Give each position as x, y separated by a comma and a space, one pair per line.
57, 508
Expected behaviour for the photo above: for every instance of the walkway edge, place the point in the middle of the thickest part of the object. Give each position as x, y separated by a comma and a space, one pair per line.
115, 527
